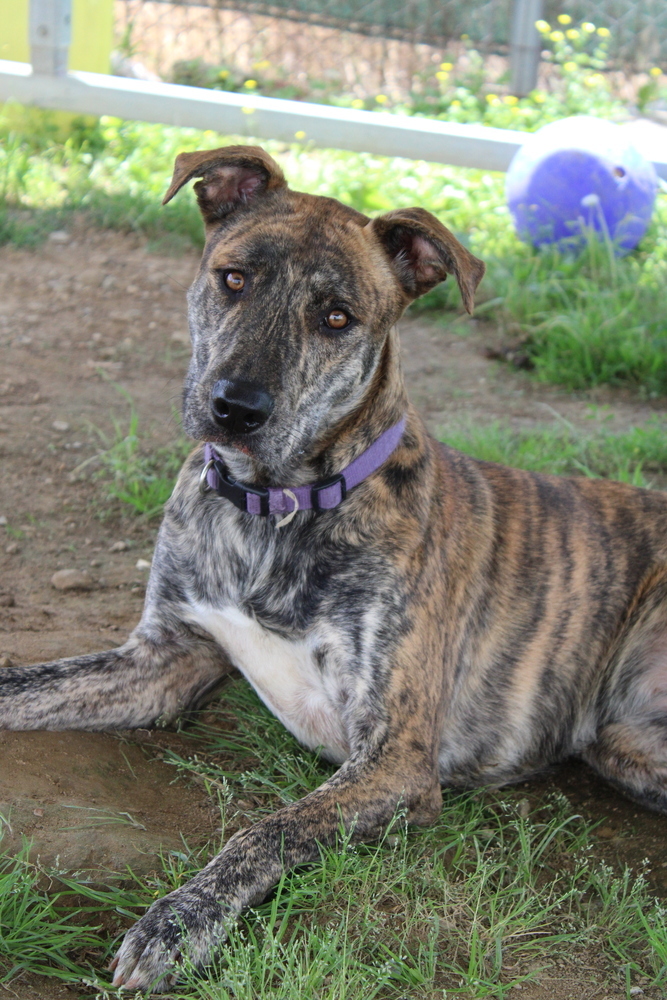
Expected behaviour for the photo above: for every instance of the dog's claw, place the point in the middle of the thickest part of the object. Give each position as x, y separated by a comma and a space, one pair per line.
184, 923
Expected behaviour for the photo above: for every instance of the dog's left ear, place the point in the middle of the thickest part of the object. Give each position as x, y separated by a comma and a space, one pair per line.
423, 252
231, 176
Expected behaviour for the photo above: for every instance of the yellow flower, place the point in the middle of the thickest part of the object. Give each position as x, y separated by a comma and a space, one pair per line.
442, 76
588, 27
264, 64
595, 80
543, 26
655, 71
491, 98
511, 99
569, 67
357, 103
250, 84
248, 111
556, 36
539, 97
447, 66
455, 104
564, 19
381, 98
572, 33
604, 32
223, 74
299, 135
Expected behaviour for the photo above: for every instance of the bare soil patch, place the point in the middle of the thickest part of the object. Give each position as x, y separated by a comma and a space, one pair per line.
78, 319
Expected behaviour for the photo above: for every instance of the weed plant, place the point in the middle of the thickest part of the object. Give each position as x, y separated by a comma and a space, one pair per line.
456, 90
141, 479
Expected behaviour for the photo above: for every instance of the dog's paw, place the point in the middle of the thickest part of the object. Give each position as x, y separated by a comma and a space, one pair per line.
185, 926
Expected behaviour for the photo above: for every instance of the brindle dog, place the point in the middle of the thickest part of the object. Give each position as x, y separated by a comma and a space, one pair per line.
450, 622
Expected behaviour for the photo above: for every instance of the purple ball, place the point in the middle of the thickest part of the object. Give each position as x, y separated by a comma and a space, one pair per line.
576, 174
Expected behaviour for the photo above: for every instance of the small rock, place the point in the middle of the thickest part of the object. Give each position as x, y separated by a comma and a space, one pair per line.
12, 548
59, 236
71, 579
605, 832
3, 520
60, 425
38, 812
6, 661
142, 564
7, 601
636, 991
523, 808
108, 281
95, 562
118, 547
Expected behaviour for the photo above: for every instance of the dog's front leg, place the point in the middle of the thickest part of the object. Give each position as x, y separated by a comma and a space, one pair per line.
193, 920
152, 679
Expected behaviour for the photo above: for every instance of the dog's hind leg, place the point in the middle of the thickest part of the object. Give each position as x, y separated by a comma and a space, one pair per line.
629, 748
632, 756
152, 679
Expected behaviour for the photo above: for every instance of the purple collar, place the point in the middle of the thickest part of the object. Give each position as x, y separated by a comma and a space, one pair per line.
325, 495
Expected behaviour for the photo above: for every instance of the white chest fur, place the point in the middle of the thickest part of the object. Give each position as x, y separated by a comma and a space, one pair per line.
285, 675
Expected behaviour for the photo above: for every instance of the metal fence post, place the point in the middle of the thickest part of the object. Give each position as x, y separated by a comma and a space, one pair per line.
525, 45
50, 36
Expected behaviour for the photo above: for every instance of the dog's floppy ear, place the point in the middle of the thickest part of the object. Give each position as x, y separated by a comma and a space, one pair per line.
423, 252
231, 176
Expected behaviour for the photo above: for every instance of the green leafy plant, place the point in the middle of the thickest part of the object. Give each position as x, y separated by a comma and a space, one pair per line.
139, 478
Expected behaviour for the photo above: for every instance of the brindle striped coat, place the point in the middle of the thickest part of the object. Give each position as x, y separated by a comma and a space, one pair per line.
452, 622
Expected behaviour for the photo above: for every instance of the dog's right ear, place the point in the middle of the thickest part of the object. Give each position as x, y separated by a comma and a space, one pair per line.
231, 176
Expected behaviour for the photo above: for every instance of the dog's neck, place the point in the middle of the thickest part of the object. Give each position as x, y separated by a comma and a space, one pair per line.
384, 404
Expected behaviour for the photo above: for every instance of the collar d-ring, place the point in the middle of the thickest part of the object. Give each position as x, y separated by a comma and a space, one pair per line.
288, 517
203, 478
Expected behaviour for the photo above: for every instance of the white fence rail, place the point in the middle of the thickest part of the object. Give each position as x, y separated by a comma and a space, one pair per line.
263, 117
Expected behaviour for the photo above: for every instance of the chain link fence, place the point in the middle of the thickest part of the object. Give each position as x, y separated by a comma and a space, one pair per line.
318, 48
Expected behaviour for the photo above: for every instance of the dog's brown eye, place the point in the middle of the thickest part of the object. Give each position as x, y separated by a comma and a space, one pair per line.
234, 280
337, 319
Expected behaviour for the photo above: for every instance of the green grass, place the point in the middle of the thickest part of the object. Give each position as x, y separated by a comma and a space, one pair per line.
129, 472
486, 899
637, 456
39, 930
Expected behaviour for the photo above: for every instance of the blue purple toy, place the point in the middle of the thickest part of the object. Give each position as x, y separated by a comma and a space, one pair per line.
576, 173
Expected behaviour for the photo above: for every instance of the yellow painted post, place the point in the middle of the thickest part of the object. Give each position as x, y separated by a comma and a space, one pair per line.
14, 30
92, 33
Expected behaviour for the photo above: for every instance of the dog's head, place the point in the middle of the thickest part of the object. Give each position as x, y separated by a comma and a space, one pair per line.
293, 303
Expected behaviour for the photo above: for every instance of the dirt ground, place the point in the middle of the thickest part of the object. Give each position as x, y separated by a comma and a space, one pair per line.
90, 311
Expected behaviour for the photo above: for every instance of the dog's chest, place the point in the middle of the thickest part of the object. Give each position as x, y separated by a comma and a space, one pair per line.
286, 675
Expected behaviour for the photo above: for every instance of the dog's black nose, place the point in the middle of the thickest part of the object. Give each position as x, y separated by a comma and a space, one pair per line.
240, 407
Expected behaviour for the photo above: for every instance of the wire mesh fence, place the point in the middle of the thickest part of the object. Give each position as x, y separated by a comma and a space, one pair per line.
318, 48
